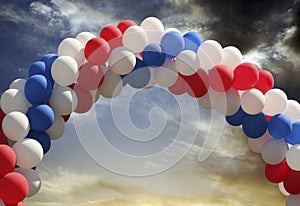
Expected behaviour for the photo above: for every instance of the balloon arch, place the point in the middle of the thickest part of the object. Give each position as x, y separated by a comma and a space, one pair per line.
34, 111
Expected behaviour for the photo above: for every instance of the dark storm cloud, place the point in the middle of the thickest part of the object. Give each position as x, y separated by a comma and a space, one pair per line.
294, 42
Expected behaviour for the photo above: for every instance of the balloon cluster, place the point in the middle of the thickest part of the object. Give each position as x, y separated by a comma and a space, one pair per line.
34, 111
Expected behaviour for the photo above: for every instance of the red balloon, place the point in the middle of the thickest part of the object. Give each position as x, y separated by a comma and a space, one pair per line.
220, 78
112, 35
84, 99
3, 138
291, 182
18, 204
7, 159
265, 81
245, 76
90, 76
178, 87
97, 51
125, 24
196, 84
13, 188
276, 173
268, 117
66, 117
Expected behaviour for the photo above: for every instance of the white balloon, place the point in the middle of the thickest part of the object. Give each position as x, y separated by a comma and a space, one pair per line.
274, 151
33, 179
65, 70
18, 84
166, 75
187, 63
1, 203
282, 189
228, 103
57, 129
29, 153
293, 200
111, 86
84, 37
95, 94
73, 48
15, 126
256, 144
276, 102
232, 57
14, 100
209, 54
292, 157
152, 80
252, 101
154, 29
292, 110
135, 38
63, 100
209, 100
122, 60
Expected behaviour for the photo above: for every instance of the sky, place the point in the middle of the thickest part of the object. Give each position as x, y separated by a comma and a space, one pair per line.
80, 170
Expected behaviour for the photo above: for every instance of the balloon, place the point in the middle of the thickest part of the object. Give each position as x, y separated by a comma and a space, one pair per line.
291, 182
178, 87
140, 76
166, 75
292, 157
40, 117
294, 137
192, 41
209, 54
228, 103
33, 179
186, 63
154, 29
29, 153
15, 126
209, 100
172, 43
73, 48
95, 94
246, 76
38, 90
257, 144
65, 70
276, 173
38, 67
63, 100
7, 160
57, 129
90, 76
84, 99
196, 84
152, 81
282, 189
232, 57
3, 138
292, 110
254, 126
153, 55
18, 84
42, 137
135, 38
274, 151
276, 102
13, 100
97, 51
111, 86
252, 101
84, 37
220, 78
112, 35
13, 188
125, 24
121, 60
280, 126
237, 118
265, 81
48, 59
293, 200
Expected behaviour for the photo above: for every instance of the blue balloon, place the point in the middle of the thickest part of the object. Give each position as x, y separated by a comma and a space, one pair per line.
139, 77
42, 137
153, 55
48, 59
40, 117
192, 41
38, 67
38, 90
280, 126
172, 43
294, 137
237, 118
254, 126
